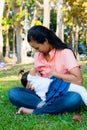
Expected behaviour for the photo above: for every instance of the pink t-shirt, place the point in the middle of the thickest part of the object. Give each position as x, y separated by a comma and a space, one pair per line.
60, 60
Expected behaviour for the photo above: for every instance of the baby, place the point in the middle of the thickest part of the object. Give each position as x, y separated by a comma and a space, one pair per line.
48, 89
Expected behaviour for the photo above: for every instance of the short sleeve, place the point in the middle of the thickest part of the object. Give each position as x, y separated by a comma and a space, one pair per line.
69, 59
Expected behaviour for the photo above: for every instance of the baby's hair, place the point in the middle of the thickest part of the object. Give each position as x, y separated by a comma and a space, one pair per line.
23, 77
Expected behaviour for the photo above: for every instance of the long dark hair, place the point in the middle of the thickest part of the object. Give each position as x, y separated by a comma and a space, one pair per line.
40, 33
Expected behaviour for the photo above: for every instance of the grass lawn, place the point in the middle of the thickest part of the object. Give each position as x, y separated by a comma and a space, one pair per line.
10, 121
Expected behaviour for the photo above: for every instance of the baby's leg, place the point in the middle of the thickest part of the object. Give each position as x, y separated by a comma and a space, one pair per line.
23, 110
80, 90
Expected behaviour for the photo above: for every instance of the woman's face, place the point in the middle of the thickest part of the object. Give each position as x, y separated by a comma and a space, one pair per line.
44, 48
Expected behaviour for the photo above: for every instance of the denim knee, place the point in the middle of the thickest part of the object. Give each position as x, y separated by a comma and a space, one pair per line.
12, 94
23, 97
74, 102
74, 99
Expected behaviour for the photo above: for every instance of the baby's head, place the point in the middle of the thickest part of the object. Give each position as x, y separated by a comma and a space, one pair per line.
24, 77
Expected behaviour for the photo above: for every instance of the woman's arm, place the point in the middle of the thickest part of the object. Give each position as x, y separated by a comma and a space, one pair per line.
74, 76
71, 65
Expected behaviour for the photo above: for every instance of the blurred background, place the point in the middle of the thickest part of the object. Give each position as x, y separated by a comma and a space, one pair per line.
66, 18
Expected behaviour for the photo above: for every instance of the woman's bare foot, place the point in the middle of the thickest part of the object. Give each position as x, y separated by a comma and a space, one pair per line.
77, 117
23, 110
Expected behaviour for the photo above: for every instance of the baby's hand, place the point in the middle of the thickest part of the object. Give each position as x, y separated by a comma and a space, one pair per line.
33, 71
29, 86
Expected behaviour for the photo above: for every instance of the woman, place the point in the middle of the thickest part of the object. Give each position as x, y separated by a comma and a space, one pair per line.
52, 58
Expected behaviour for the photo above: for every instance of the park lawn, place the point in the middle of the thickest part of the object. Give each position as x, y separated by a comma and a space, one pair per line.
10, 121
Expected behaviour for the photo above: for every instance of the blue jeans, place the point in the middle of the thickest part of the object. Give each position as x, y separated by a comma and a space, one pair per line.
22, 97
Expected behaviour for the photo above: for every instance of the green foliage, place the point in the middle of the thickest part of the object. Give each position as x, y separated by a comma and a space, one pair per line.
18, 2
16, 12
36, 22
76, 11
53, 17
30, 3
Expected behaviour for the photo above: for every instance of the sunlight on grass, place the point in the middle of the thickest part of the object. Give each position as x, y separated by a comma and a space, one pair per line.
10, 121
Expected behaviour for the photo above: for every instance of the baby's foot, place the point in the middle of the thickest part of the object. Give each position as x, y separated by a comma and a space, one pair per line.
24, 110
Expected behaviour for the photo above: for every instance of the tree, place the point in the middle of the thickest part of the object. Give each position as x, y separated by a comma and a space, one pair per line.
6, 30
60, 24
2, 2
45, 6
19, 12
75, 17
46, 19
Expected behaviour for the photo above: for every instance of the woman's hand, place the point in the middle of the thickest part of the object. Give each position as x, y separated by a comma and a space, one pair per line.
29, 86
53, 73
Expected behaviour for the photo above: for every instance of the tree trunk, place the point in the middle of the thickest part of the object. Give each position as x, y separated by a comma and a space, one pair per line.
7, 36
73, 38
1, 44
86, 37
1, 37
46, 21
14, 42
7, 45
18, 31
60, 24
18, 43
76, 41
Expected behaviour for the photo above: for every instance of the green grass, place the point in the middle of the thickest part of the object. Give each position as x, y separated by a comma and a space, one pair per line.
10, 121
13, 70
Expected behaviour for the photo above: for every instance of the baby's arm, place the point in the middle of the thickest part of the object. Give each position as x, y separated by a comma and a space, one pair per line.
31, 73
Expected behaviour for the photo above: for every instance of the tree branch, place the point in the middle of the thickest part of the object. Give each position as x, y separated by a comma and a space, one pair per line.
38, 3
